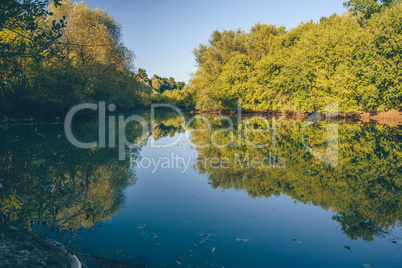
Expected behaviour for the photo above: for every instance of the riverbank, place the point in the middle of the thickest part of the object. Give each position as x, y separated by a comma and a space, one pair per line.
391, 118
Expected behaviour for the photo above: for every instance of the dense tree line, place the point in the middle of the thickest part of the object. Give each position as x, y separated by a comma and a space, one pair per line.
53, 57
58, 55
160, 84
354, 58
167, 90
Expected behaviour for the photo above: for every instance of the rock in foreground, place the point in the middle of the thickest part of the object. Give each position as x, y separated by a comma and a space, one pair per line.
20, 249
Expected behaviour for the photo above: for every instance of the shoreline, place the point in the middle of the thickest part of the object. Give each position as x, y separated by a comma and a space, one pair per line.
391, 118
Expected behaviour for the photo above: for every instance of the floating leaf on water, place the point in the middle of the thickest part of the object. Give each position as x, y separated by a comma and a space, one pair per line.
142, 227
39, 161
206, 235
346, 247
368, 265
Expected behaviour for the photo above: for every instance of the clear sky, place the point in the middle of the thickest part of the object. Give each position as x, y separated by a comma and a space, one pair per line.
163, 34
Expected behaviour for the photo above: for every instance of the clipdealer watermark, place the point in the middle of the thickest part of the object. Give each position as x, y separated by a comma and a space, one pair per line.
111, 125
174, 161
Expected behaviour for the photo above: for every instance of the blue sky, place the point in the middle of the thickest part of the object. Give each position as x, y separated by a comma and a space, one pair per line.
163, 34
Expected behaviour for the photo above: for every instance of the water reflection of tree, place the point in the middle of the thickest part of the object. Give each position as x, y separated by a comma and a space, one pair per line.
47, 182
166, 124
364, 190
356, 226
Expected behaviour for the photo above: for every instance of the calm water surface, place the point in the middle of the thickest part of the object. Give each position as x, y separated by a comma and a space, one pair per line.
297, 212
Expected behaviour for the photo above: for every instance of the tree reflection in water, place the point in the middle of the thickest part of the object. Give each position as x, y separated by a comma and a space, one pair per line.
364, 190
50, 186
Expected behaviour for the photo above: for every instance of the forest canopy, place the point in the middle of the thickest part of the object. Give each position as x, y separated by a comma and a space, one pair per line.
354, 58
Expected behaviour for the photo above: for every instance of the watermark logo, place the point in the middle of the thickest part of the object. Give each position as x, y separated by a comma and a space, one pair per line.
173, 161
113, 126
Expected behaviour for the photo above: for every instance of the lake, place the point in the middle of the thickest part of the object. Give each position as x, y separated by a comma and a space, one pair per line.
239, 192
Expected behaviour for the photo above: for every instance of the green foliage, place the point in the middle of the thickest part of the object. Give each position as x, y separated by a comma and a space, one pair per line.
364, 9
162, 84
305, 68
142, 74
24, 31
82, 59
27, 37
178, 97
167, 90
